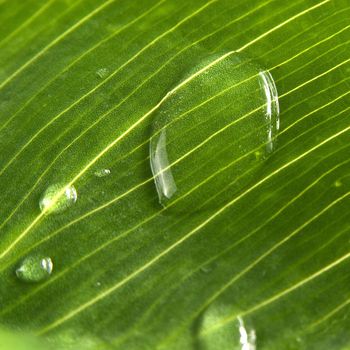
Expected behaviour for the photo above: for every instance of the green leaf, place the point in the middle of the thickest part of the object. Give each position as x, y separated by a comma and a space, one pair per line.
251, 249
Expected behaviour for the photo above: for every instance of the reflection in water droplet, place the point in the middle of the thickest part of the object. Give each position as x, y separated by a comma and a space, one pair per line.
35, 269
102, 172
57, 198
247, 338
102, 72
165, 183
213, 131
272, 109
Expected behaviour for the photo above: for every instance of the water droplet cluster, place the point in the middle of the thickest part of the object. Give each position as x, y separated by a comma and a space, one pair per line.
218, 122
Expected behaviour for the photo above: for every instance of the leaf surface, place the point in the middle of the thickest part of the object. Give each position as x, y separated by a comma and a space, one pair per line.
261, 247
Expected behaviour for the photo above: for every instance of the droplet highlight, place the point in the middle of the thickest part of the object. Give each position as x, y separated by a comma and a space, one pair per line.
217, 329
247, 337
35, 268
57, 198
213, 132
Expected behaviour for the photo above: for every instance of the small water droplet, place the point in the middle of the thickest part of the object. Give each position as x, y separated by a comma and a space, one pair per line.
102, 172
57, 198
35, 268
205, 130
102, 72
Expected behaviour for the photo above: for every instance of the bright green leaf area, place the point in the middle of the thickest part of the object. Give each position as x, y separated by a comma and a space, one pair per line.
250, 244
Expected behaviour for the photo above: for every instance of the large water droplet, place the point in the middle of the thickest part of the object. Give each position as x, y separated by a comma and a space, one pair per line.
57, 198
211, 135
35, 268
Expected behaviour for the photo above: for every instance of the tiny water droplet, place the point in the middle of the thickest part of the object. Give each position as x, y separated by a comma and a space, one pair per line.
102, 72
166, 235
338, 183
206, 269
35, 268
102, 172
213, 131
258, 155
57, 198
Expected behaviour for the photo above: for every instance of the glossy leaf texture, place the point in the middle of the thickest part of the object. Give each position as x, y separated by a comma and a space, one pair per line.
251, 250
